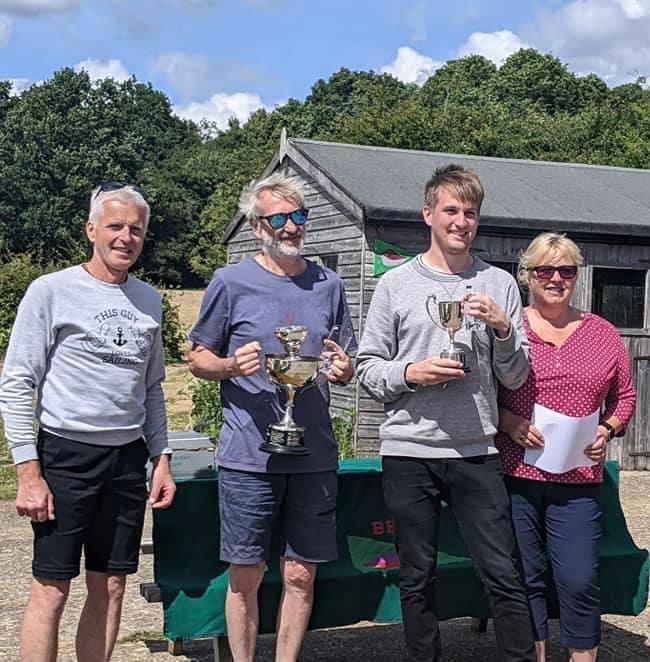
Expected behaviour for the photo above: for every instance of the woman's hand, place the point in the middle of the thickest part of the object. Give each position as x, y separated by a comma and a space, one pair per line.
520, 430
598, 450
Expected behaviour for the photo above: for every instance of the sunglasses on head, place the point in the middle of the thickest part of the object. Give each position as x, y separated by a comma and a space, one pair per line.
568, 272
116, 186
279, 220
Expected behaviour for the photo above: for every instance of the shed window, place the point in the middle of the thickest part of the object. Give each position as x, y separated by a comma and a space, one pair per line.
618, 295
330, 261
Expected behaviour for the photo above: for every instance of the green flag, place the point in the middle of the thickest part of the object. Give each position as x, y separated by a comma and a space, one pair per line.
388, 256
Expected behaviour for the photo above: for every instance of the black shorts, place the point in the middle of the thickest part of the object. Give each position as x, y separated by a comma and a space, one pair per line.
100, 496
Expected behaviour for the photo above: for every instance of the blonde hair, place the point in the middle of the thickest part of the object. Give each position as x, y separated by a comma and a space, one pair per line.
462, 182
547, 243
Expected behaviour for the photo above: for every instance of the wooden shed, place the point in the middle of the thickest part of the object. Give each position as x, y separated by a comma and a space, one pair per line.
358, 195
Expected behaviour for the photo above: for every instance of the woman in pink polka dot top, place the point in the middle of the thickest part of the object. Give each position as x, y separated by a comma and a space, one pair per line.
579, 365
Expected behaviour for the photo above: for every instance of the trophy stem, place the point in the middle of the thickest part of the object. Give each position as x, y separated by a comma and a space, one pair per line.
452, 344
287, 419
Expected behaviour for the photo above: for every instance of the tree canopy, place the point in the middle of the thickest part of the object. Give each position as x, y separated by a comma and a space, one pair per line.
62, 137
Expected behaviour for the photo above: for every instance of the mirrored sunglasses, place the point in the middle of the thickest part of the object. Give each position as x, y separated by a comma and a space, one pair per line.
567, 272
279, 220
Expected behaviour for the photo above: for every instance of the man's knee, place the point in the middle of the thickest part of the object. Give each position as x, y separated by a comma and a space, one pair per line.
103, 587
299, 576
50, 595
246, 579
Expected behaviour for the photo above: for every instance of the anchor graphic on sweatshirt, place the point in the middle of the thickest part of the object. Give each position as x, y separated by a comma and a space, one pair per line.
119, 341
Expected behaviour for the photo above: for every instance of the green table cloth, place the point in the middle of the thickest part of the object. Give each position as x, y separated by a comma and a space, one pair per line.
362, 583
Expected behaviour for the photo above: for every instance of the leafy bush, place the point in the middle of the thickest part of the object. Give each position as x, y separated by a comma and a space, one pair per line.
206, 407
173, 336
15, 277
344, 433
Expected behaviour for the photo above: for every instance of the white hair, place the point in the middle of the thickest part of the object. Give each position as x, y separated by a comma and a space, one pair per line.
279, 184
127, 194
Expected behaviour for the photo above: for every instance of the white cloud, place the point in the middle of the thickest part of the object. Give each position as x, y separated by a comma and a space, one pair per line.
411, 67
5, 30
495, 46
97, 69
606, 37
31, 7
188, 74
194, 76
633, 8
19, 85
219, 108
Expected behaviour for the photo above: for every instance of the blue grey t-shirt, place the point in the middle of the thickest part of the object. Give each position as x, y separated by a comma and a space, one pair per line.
246, 302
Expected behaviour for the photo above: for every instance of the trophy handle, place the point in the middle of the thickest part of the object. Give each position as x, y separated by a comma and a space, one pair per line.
432, 301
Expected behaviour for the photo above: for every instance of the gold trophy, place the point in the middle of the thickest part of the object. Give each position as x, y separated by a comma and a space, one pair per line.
448, 315
289, 372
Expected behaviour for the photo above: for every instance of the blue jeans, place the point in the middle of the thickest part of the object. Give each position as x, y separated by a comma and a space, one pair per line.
558, 531
474, 490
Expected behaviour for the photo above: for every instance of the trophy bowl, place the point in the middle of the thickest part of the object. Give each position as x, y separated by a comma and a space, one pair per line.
289, 372
448, 315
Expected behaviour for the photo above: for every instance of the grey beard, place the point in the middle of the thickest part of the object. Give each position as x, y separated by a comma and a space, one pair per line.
275, 248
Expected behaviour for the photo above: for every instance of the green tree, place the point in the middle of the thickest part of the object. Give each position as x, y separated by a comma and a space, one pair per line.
528, 76
468, 81
66, 135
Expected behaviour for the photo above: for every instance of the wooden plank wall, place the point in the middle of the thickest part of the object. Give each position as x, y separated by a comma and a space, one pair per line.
415, 238
332, 230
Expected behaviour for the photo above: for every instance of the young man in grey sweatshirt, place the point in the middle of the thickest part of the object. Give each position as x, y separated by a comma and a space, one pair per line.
437, 439
87, 348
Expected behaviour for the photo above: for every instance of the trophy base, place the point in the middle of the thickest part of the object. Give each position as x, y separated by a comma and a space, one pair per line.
457, 355
287, 441
282, 449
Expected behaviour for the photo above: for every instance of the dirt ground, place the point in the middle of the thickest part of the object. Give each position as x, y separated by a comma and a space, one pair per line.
624, 638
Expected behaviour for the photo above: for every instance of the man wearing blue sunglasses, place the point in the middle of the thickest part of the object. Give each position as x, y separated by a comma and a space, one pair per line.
263, 494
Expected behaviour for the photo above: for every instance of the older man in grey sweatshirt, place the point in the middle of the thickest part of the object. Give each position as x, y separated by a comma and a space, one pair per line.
441, 414
85, 361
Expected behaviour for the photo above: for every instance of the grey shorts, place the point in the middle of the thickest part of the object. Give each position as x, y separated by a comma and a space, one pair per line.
295, 512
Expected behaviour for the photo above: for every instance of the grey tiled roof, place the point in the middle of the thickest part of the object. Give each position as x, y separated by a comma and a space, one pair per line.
388, 183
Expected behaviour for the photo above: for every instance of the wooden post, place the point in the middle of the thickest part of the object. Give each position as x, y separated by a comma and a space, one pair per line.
221, 649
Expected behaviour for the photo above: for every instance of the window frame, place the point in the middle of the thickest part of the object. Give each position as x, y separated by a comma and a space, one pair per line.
593, 272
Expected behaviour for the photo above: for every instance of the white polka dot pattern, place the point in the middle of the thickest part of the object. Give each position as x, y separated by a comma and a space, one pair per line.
589, 370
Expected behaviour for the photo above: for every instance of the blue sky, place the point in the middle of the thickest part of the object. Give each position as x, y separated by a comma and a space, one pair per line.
221, 58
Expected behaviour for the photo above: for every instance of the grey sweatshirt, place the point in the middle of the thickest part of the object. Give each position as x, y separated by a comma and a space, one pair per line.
92, 354
459, 420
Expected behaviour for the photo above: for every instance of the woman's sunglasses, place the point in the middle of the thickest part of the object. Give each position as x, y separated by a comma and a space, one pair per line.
568, 272
279, 220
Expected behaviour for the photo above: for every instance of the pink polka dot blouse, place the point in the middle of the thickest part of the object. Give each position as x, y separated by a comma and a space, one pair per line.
590, 370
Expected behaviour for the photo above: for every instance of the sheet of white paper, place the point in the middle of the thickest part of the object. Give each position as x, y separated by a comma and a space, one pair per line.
565, 440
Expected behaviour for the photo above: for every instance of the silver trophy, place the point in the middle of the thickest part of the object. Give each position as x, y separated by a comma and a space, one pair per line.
448, 315
289, 372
